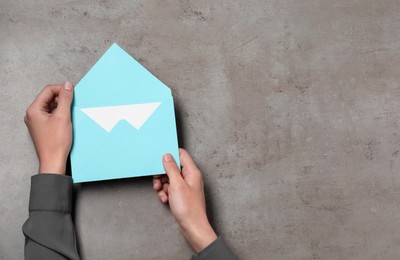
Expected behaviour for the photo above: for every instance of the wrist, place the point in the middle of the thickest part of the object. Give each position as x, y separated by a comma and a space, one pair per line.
52, 166
199, 235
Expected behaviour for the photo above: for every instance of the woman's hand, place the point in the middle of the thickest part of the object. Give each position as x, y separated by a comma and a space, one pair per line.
185, 194
48, 119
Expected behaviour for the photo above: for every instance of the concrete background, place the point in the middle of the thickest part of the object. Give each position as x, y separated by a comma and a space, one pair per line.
291, 109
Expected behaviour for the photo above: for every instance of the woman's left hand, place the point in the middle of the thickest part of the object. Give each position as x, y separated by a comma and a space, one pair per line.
48, 119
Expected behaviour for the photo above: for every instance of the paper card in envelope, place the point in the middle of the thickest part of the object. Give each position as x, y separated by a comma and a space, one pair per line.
123, 121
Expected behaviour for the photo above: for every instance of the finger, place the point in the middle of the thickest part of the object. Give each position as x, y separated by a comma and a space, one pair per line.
45, 97
187, 163
65, 99
172, 169
165, 188
164, 179
162, 196
157, 184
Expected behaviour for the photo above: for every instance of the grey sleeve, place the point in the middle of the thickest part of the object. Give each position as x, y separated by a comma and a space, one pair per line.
217, 250
49, 231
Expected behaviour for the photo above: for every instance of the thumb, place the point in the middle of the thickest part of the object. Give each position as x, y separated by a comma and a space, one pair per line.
172, 169
65, 99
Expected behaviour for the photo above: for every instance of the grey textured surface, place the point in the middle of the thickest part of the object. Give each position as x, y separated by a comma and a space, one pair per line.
291, 109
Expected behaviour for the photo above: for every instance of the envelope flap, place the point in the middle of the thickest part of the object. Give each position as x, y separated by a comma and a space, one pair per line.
117, 78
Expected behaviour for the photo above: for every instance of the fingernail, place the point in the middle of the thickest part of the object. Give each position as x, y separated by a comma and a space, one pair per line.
67, 85
168, 157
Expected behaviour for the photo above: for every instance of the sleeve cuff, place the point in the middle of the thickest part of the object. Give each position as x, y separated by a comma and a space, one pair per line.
50, 192
216, 250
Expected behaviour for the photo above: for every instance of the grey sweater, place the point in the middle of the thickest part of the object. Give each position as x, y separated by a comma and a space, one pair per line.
49, 231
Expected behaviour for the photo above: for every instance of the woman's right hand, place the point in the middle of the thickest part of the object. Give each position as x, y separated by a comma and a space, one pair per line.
185, 194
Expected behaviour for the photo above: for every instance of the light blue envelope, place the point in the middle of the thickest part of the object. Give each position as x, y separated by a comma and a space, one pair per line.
123, 121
